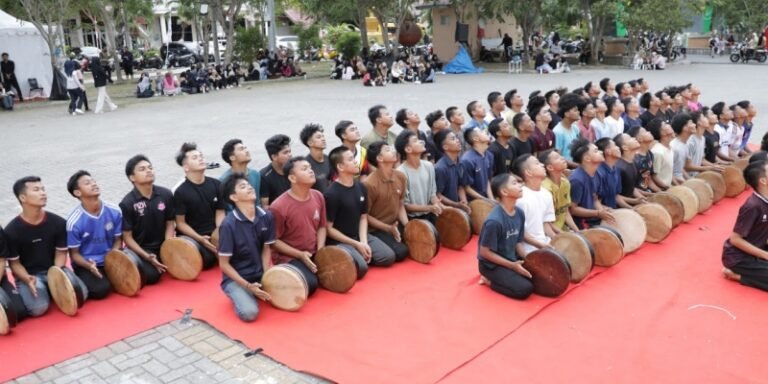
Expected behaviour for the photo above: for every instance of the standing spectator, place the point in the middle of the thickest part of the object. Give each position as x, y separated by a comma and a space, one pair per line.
104, 56
8, 69
100, 81
74, 87
507, 43
127, 59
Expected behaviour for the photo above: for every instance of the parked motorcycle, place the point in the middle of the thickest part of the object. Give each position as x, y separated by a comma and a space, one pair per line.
740, 52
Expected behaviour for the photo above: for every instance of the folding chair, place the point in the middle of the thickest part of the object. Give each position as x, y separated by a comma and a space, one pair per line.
34, 86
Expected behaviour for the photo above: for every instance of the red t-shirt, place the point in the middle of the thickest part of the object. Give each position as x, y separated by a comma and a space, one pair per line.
297, 222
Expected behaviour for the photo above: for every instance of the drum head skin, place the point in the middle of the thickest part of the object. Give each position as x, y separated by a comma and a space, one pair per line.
578, 251
182, 258
550, 272
123, 273
689, 199
422, 240
480, 211
672, 204
286, 286
64, 290
335, 269
607, 243
716, 181
8, 317
657, 221
631, 226
703, 192
454, 228
734, 181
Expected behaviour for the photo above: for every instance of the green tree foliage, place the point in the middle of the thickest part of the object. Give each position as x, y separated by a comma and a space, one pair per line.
349, 44
742, 16
247, 43
309, 37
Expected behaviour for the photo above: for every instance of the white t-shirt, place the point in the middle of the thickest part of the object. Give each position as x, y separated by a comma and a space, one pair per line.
737, 135
600, 128
662, 162
725, 138
613, 126
539, 208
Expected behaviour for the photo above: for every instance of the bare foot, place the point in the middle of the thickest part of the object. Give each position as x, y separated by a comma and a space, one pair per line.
484, 281
730, 275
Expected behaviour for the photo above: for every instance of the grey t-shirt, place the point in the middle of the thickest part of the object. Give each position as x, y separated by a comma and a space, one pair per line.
695, 151
679, 154
421, 186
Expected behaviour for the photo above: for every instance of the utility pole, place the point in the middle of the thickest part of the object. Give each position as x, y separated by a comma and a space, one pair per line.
272, 28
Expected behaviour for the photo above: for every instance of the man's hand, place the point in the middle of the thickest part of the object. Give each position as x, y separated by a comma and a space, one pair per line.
465, 206
94, 269
395, 232
364, 250
208, 245
306, 258
517, 266
32, 283
605, 214
255, 288
156, 263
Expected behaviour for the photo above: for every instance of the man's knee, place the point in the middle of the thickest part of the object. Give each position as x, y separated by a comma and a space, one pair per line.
248, 314
99, 288
521, 290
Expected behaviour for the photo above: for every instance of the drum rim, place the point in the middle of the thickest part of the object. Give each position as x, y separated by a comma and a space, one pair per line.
340, 250
564, 261
133, 258
585, 241
460, 212
642, 220
291, 268
693, 193
610, 230
432, 228
75, 282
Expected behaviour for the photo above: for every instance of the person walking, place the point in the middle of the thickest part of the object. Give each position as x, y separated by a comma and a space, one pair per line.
100, 81
74, 87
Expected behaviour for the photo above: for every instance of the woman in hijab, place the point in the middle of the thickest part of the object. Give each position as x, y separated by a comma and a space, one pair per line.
144, 89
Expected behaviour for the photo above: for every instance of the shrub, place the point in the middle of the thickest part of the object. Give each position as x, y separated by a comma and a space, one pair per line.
309, 37
349, 44
247, 44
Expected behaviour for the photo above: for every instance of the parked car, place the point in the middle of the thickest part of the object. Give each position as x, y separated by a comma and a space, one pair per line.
291, 42
178, 55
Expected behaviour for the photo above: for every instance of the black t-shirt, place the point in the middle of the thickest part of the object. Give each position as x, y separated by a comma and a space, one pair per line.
273, 184
502, 158
711, 145
555, 119
322, 173
647, 116
35, 245
146, 218
343, 207
198, 204
434, 153
4, 253
521, 147
629, 177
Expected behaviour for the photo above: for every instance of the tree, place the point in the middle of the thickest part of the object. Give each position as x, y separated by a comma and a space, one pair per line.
225, 12
743, 16
337, 12
48, 17
644, 15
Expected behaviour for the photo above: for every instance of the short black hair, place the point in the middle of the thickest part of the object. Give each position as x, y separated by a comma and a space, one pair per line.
758, 156
450, 111
185, 148
645, 100
517, 120
335, 157
130, 165
679, 122
493, 96
471, 106
744, 104
497, 183
619, 140
509, 96
400, 117
544, 156
341, 127
375, 112
307, 132
654, 126
402, 141
373, 152
610, 103
535, 104
228, 149
20, 186
579, 148
72, 182
603, 143
276, 143
604, 84
291, 163
518, 165
587, 86
570, 101
469, 133
753, 172
495, 126
718, 108
433, 117
228, 187
634, 131
695, 116
618, 88
549, 95
440, 137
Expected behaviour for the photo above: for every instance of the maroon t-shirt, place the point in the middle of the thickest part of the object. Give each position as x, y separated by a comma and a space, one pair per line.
542, 141
297, 222
752, 225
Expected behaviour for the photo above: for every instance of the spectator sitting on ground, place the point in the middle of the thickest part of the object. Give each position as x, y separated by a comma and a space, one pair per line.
428, 75
144, 88
382, 72
7, 98
201, 79
658, 61
398, 72
170, 84
215, 79
348, 71
367, 78
158, 82
297, 68
541, 64
186, 83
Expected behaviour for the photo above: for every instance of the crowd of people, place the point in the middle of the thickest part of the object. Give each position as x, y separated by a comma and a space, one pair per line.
558, 160
408, 68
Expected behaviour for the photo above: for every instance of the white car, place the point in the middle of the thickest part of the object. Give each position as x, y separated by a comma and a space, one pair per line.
290, 42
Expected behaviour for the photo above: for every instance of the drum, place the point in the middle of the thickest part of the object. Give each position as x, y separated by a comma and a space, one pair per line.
287, 287
8, 316
182, 257
672, 204
454, 228
741, 163
66, 290
550, 272
703, 192
658, 222
215, 237
734, 181
631, 226
689, 199
607, 243
578, 251
336, 269
422, 240
123, 272
480, 211
716, 181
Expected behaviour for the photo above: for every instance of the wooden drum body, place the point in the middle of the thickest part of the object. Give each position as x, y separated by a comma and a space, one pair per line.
550, 272
703, 192
631, 226
734, 181
658, 222
480, 211
336, 269
607, 243
689, 199
182, 257
422, 240
672, 204
716, 181
578, 251
454, 227
66, 290
123, 272
287, 287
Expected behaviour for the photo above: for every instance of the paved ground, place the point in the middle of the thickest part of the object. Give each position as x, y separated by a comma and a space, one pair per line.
42, 139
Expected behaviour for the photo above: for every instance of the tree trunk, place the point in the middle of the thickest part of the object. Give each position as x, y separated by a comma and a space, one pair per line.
215, 35
361, 14
110, 31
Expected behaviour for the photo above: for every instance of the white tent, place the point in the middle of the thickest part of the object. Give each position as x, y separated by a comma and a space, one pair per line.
23, 43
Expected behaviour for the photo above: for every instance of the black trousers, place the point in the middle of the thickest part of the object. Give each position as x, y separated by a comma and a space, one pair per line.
401, 250
98, 288
17, 305
12, 82
506, 281
312, 280
753, 271
150, 273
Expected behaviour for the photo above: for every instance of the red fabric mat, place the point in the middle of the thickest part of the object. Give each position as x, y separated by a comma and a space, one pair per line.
664, 314
410, 323
55, 337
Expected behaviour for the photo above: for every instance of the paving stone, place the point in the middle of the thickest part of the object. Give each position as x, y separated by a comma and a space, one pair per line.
117, 359
104, 369
229, 352
48, 374
71, 361
170, 343
208, 367
204, 348
222, 376
163, 355
199, 336
198, 377
261, 364
28, 379
167, 330
219, 342
233, 360
184, 371
186, 360
144, 339
92, 379
74, 376
155, 368
146, 349
133, 362
189, 332
119, 347
102, 354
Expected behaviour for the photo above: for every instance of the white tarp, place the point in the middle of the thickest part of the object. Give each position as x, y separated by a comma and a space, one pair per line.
23, 43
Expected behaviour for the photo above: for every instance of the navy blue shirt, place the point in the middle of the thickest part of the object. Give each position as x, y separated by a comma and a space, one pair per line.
501, 233
607, 182
449, 177
243, 241
479, 169
582, 193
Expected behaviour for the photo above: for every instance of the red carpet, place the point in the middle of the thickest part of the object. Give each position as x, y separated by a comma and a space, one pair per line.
664, 314
55, 337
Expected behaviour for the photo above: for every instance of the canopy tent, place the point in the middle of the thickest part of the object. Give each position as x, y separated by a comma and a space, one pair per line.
23, 43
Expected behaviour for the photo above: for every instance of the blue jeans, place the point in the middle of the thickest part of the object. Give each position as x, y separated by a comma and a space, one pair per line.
36, 306
246, 304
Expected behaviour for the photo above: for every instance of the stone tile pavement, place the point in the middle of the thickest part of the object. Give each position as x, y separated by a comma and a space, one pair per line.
172, 353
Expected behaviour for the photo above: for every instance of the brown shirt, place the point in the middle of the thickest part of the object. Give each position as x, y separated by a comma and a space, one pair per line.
385, 196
